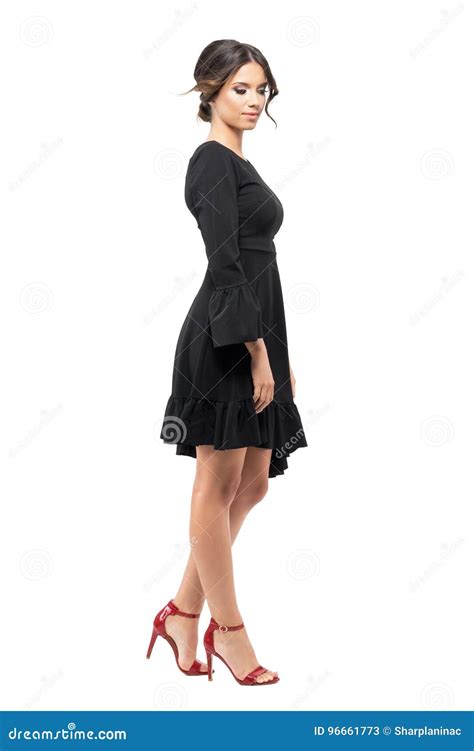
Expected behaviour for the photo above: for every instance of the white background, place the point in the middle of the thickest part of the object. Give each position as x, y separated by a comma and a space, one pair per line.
352, 574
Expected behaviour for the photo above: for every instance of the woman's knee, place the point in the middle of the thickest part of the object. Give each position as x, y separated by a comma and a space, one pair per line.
253, 493
222, 489
218, 473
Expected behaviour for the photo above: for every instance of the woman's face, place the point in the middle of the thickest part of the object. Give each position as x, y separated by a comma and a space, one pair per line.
241, 100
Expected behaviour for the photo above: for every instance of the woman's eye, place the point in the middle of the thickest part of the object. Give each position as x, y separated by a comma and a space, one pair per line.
242, 91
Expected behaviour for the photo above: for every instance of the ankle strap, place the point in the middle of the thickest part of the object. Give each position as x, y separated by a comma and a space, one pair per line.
226, 628
177, 611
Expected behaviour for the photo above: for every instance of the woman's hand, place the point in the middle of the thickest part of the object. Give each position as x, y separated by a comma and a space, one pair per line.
262, 376
292, 381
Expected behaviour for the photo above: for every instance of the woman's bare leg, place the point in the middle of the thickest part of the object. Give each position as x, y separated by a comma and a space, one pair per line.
252, 488
222, 498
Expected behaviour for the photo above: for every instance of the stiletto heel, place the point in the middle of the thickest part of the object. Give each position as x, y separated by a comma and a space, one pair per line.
251, 678
152, 642
209, 666
159, 629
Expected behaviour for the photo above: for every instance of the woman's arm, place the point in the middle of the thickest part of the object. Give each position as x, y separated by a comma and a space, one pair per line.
234, 308
262, 376
293, 382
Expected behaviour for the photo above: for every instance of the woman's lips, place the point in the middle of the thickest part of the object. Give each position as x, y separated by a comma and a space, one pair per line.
250, 114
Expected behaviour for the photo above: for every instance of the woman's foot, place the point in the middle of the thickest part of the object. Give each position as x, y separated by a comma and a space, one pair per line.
236, 649
185, 633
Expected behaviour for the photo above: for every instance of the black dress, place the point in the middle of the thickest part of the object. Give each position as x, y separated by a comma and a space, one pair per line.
240, 300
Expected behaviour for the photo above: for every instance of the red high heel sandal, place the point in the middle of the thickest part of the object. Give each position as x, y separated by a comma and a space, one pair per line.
159, 629
251, 678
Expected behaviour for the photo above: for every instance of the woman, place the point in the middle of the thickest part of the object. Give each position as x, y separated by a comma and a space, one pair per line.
232, 394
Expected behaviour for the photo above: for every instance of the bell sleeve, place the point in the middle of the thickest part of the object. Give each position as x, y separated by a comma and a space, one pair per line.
234, 309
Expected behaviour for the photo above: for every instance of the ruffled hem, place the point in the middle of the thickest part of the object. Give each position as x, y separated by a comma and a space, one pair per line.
190, 422
235, 315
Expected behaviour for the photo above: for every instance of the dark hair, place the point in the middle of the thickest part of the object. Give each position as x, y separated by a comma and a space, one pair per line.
220, 60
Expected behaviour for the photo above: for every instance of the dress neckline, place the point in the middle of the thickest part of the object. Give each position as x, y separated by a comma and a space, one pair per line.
212, 140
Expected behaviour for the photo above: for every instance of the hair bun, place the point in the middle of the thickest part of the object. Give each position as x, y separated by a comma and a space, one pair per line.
204, 110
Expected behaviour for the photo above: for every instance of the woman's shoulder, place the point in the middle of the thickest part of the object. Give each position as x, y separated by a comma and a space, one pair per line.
211, 162
215, 153
206, 149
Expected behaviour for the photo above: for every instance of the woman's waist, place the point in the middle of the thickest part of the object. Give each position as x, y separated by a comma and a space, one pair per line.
259, 246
